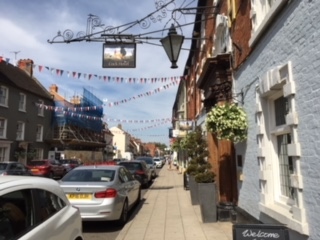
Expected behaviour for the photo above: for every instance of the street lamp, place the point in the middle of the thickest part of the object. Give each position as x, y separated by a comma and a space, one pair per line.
172, 45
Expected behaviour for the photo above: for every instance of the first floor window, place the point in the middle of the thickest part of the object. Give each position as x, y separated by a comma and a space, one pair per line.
3, 128
39, 133
20, 130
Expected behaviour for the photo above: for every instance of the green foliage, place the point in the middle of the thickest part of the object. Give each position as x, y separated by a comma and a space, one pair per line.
228, 121
197, 149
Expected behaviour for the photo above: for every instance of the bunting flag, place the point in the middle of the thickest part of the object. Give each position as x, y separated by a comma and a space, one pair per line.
90, 76
70, 112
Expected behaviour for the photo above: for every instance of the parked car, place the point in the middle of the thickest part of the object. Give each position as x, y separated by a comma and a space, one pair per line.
118, 160
158, 162
47, 168
102, 192
69, 164
13, 168
36, 208
151, 164
140, 170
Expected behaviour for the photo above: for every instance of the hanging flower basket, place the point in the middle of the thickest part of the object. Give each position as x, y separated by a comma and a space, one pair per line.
228, 122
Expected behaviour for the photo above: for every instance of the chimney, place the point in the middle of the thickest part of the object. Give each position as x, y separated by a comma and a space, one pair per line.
26, 65
53, 88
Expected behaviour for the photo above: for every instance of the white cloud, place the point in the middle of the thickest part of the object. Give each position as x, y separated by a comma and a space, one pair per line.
26, 27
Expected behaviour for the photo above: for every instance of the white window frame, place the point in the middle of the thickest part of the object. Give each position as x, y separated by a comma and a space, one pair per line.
20, 130
39, 133
262, 13
3, 153
41, 108
22, 102
222, 39
38, 153
276, 83
4, 96
3, 128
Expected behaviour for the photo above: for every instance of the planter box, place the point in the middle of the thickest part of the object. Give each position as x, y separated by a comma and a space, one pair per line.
193, 187
208, 202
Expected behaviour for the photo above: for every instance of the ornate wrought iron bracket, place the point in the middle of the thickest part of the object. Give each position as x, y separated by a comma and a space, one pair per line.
96, 31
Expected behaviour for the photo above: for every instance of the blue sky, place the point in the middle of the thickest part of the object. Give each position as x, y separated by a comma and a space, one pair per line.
26, 26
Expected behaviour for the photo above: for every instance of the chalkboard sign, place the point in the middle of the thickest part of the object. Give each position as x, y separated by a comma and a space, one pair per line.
259, 232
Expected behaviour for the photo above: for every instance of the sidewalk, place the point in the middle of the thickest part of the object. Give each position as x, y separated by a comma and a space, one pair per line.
166, 213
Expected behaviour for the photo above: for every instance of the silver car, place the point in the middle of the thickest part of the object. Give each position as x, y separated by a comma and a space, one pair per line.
36, 208
103, 192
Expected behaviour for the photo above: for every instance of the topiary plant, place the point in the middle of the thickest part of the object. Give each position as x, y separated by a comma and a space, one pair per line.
196, 147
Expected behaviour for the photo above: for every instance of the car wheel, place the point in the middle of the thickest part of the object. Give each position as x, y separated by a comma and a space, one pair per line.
154, 175
124, 214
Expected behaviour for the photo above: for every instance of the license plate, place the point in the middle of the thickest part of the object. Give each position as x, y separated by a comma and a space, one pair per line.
79, 196
34, 170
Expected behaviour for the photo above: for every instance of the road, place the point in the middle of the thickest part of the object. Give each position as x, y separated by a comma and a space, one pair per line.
106, 230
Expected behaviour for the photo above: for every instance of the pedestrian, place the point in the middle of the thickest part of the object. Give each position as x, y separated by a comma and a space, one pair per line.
169, 164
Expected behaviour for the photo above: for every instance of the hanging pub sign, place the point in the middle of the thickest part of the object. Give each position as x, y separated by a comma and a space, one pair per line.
259, 232
119, 55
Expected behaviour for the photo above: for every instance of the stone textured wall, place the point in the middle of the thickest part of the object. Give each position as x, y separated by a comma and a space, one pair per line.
295, 37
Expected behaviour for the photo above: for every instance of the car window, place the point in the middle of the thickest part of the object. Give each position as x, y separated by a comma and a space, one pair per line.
20, 167
90, 175
122, 175
37, 163
129, 175
12, 166
49, 204
131, 165
3, 166
16, 214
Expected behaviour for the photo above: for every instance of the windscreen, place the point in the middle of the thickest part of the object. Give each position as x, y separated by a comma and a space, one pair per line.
89, 175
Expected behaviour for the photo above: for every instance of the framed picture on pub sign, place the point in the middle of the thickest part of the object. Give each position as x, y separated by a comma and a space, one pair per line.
119, 55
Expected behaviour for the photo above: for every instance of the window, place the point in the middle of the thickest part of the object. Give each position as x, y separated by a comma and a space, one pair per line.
3, 154
49, 204
39, 133
281, 110
285, 165
3, 128
38, 153
17, 216
262, 14
279, 150
41, 108
4, 96
20, 130
22, 102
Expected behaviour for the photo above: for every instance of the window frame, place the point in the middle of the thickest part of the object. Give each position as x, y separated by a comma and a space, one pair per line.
22, 102
269, 16
4, 128
39, 133
5, 97
40, 108
21, 131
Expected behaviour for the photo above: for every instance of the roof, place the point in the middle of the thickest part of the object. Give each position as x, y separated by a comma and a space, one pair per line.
10, 181
18, 78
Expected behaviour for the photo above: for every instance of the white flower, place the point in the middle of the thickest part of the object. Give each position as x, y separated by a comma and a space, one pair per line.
228, 121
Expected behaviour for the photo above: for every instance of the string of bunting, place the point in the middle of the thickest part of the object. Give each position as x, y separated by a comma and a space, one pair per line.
83, 116
147, 127
110, 104
91, 76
